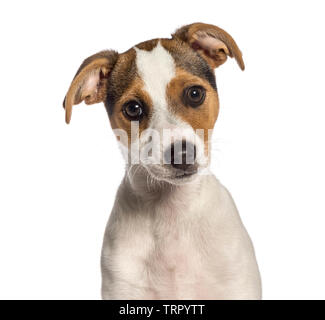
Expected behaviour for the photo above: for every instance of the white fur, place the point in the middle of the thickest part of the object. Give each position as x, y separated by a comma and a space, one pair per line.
156, 68
181, 242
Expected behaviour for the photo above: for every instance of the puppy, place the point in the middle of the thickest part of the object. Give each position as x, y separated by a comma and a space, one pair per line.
174, 231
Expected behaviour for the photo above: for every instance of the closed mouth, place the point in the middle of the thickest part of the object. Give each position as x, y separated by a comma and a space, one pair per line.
185, 174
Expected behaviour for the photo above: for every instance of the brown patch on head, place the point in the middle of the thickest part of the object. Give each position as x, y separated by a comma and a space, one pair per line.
133, 92
125, 85
202, 117
124, 74
120, 79
189, 60
148, 45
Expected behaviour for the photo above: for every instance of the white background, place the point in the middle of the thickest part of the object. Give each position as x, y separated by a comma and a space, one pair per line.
58, 182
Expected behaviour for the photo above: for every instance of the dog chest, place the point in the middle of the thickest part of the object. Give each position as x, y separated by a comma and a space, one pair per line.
163, 261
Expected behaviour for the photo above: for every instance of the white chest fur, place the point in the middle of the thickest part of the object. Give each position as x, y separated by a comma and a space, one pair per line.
188, 246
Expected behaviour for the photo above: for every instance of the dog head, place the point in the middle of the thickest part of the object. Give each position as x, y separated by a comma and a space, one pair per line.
161, 98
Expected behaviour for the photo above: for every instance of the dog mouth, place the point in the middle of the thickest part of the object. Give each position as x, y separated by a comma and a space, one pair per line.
185, 174
172, 175
180, 175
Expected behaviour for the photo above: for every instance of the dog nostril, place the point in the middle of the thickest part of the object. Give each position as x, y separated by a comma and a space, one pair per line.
181, 155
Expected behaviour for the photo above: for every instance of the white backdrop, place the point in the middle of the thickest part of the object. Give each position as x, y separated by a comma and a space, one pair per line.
58, 182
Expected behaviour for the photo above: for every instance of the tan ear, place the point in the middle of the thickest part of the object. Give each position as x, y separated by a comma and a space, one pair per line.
90, 81
211, 42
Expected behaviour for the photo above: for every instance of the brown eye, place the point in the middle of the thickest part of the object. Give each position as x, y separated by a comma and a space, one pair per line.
194, 96
133, 110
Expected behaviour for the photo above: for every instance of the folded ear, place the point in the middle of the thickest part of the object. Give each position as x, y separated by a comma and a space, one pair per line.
211, 42
90, 81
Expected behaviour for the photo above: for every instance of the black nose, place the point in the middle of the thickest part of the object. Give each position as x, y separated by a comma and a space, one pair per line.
181, 155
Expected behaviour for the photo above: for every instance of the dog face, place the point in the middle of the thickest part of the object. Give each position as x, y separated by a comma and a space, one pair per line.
161, 98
